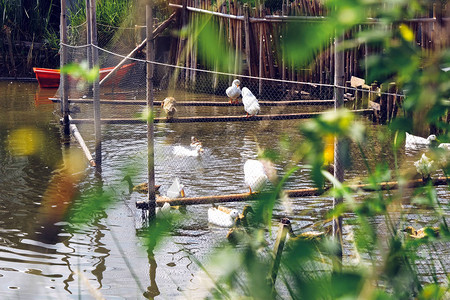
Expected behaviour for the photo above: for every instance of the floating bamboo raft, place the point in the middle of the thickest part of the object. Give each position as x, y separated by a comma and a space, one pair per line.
242, 118
391, 185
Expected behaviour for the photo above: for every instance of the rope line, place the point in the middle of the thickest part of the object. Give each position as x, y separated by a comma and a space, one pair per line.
236, 75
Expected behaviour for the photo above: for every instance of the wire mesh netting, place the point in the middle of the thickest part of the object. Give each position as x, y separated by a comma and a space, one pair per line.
201, 113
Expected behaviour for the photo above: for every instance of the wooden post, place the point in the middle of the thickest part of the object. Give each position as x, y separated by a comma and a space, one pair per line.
247, 38
238, 38
89, 38
383, 106
283, 52
358, 97
338, 144
150, 129
96, 87
283, 229
394, 100
261, 28
63, 79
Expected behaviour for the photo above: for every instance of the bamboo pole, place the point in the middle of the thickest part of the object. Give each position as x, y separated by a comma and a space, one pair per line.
283, 51
243, 118
64, 89
96, 88
247, 39
150, 53
260, 27
283, 230
309, 192
141, 46
76, 134
338, 144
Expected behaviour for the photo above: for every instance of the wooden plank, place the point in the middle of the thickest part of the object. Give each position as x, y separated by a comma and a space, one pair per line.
356, 82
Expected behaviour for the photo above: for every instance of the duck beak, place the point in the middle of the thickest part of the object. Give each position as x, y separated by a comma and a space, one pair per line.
182, 193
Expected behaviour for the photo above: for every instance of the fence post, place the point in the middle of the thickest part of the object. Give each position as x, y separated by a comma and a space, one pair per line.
96, 87
338, 144
247, 38
391, 101
63, 77
384, 106
150, 129
260, 50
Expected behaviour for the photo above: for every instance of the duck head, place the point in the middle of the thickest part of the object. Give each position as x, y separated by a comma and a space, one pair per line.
236, 82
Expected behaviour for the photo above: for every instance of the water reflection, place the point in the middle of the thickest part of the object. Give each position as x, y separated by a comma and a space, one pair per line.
107, 249
42, 96
152, 290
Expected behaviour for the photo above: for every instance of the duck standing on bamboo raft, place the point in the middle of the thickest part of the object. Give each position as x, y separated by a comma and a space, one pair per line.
251, 104
141, 188
233, 92
168, 105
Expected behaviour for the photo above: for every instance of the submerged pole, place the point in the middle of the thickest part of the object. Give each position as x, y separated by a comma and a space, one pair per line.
63, 77
96, 87
150, 128
338, 152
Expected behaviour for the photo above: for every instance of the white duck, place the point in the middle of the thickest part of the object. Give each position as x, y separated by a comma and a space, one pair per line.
250, 102
255, 176
161, 211
222, 216
182, 151
168, 105
445, 146
176, 190
424, 166
413, 141
234, 91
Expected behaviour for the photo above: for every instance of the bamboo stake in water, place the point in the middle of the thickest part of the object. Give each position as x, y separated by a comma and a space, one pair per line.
338, 151
63, 79
150, 128
96, 88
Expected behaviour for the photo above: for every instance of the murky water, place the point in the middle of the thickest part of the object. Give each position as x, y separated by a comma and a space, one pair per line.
108, 254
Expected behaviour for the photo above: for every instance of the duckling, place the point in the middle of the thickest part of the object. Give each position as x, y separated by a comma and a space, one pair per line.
304, 236
195, 142
141, 188
168, 105
222, 216
422, 233
234, 91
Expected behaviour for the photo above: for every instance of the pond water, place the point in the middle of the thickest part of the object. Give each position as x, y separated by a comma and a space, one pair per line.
107, 255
